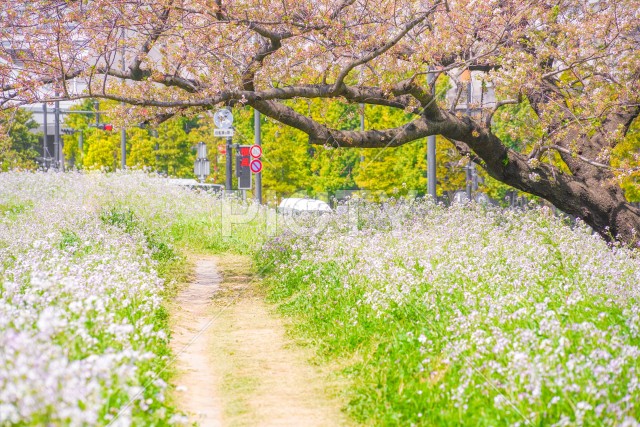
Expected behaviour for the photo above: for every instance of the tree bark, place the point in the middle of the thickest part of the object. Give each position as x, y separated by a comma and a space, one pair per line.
588, 192
599, 203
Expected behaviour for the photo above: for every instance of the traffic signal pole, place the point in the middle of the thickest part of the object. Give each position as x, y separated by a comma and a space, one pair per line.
431, 166
257, 141
229, 168
57, 159
123, 148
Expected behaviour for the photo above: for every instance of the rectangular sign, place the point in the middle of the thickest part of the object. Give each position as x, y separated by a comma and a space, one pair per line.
223, 132
243, 167
202, 168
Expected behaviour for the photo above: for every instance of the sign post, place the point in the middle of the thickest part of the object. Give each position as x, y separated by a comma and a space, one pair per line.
257, 142
228, 184
224, 122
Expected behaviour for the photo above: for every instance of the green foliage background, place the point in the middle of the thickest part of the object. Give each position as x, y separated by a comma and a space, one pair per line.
17, 142
291, 165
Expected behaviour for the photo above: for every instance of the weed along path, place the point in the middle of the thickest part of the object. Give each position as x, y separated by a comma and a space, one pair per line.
242, 370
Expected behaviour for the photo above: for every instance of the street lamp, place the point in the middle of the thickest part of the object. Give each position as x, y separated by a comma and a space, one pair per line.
470, 91
471, 94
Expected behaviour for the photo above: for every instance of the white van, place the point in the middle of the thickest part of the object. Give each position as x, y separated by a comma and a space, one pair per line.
298, 205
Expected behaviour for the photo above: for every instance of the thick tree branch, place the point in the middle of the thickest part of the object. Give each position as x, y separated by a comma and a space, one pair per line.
323, 135
465, 151
398, 97
44, 81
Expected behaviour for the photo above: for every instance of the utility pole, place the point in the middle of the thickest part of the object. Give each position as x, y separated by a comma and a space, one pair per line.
469, 179
362, 129
123, 148
257, 140
471, 167
57, 148
431, 154
45, 137
81, 146
123, 131
96, 107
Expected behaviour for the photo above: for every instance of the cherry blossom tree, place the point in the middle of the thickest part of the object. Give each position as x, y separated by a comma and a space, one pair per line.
573, 64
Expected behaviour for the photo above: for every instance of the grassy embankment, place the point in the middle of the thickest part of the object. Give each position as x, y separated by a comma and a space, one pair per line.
438, 316
87, 262
466, 316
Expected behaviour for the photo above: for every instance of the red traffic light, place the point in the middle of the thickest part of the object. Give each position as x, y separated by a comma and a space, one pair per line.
104, 126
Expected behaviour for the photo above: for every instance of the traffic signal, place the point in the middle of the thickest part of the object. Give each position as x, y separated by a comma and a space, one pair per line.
243, 166
103, 126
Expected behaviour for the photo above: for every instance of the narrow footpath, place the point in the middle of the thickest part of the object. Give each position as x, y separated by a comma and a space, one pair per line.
236, 367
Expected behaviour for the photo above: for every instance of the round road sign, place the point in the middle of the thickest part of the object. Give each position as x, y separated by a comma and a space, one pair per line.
256, 151
256, 166
223, 119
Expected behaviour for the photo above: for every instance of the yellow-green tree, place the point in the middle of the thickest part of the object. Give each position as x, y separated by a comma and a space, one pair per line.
333, 170
17, 141
626, 156
176, 152
391, 170
167, 149
285, 159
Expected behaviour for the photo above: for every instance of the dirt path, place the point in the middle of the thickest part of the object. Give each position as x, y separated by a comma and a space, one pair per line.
197, 383
242, 370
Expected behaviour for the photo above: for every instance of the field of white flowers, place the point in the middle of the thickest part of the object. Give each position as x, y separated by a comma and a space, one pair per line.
467, 315
85, 261
439, 316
